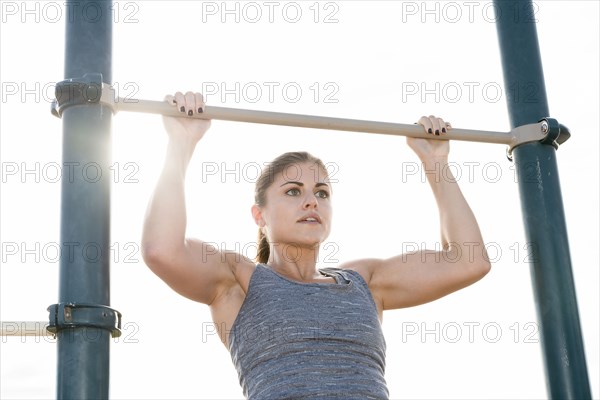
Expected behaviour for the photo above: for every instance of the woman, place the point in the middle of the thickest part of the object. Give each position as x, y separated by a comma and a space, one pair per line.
294, 331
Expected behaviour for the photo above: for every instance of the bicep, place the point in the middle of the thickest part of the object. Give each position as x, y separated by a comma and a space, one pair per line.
416, 278
198, 270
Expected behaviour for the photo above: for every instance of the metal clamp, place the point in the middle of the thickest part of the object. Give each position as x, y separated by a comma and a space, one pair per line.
556, 134
547, 131
77, 91
77, 315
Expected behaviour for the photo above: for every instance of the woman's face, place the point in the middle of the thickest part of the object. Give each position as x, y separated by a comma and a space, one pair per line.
298, 207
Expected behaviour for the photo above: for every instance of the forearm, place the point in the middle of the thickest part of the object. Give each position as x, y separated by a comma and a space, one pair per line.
165, 220
457, 222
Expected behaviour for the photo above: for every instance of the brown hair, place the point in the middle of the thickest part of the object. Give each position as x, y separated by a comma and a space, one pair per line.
266, 178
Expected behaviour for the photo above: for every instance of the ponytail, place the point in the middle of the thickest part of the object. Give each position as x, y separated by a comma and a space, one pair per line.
263, 251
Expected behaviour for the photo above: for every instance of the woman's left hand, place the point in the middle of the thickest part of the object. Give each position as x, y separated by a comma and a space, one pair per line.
431, 148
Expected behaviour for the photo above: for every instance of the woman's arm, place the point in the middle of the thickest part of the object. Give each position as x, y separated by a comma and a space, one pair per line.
457, 222
190, 267
420, 277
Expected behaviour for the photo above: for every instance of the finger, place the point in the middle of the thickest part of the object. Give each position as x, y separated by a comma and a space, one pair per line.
426, 123
448, 126
199, 103
442, 125
180, 101
190, 103
435, 125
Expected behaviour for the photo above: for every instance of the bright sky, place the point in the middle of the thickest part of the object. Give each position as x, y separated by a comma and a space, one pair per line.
387, 61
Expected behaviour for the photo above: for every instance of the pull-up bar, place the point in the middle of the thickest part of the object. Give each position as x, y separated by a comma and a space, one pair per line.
91, 89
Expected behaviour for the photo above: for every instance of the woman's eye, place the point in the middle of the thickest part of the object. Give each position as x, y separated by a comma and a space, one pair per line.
293, 192
322, 194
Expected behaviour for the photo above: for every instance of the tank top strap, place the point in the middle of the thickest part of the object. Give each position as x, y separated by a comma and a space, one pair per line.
341, 276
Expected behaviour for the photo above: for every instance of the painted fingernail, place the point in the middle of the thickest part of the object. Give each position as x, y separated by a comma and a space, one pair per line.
182, 109
429, 130
190, 113
200, 110
174, 101
437, 132
443, 130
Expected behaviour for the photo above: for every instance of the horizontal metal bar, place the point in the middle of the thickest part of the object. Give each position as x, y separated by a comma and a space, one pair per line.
316, 122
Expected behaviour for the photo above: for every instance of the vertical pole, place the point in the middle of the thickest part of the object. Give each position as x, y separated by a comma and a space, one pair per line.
83, 353
541, 205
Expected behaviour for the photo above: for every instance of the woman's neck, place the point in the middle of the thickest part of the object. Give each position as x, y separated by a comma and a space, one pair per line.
298, 263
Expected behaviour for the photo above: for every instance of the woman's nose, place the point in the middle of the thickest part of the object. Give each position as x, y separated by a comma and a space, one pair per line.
310, 201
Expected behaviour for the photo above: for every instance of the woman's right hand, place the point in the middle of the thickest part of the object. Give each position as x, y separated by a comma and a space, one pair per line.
186, 129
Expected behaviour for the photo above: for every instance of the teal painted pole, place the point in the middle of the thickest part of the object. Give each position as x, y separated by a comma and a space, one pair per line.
83, 352
541, 204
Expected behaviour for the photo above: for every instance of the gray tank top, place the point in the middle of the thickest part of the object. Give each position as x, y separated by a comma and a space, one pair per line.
295, 340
